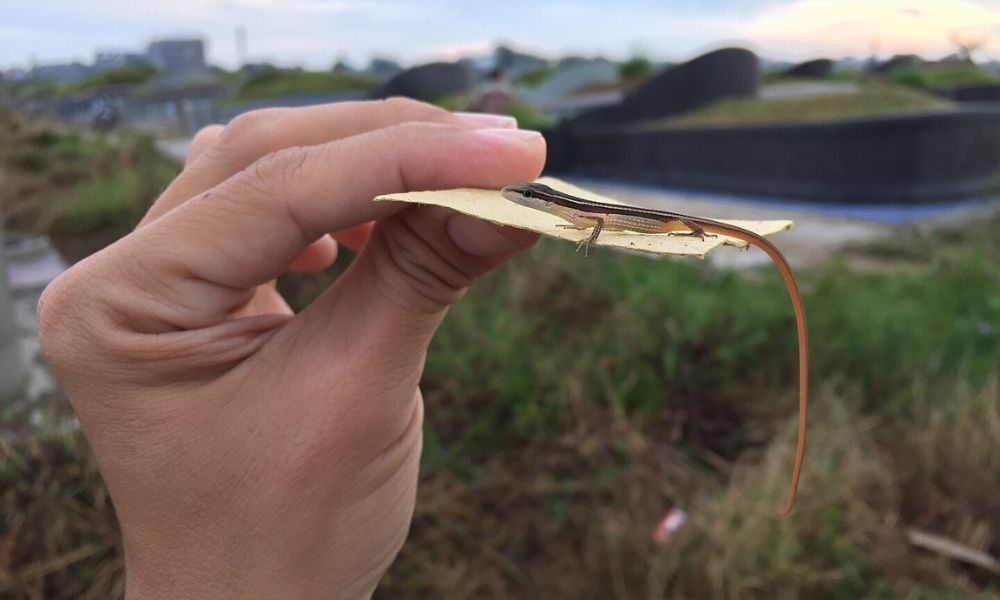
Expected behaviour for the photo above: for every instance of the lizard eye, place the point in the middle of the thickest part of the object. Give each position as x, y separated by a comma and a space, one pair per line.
526, 193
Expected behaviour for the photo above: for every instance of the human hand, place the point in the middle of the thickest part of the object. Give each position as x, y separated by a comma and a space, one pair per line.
249, 451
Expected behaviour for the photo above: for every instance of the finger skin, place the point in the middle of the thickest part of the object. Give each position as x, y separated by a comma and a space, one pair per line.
206, 137
248, 230
253, 135
317, 256
354, 237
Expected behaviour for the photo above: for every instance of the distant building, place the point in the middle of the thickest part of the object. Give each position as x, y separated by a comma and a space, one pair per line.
343, 67
13, 74
68, 72
177, 55
384, 68
899, 61
514, 63
251, 69
574, 86
107, 60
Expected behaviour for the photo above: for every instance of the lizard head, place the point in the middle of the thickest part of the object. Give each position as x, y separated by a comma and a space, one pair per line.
532, 195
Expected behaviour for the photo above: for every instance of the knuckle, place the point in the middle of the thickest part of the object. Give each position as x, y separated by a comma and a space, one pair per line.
206, 132
276, 170
403, 104
410, 132
51, 309
206, 135
264, 186
422, 275
59, 315
414, 110
246, 129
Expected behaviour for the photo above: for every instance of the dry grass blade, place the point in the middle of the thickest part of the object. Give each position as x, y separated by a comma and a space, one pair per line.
43, 568
952, 549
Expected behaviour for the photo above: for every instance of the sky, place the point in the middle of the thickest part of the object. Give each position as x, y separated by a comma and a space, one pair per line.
316, 33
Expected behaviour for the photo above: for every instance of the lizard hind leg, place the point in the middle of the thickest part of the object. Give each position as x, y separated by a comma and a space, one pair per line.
598, 227
694, 230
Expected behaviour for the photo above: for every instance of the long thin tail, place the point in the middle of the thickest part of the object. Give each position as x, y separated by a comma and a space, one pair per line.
800, 322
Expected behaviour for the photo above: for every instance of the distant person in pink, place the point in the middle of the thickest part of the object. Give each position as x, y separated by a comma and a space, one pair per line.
495, 97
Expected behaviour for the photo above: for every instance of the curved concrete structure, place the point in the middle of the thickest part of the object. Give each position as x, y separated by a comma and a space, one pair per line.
720, 74
428, 82
11, 358
812, 69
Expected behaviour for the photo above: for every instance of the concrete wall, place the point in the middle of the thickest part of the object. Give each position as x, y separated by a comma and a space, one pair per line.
913, 158
11, 357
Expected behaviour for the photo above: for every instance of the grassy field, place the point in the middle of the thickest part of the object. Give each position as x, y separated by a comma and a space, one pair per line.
870, 100
555, 440
277, 83
943, 77
75, 185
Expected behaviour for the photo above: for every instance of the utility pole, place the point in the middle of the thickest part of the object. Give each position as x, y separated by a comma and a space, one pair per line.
11, 356
241, 46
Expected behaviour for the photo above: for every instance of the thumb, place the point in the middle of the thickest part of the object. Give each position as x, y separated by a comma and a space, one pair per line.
394, 296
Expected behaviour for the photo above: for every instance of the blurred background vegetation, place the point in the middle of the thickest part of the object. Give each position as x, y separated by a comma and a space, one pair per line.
571, 403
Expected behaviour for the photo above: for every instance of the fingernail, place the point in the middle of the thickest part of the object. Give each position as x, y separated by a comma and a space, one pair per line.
524, 135
487, 120
481, 238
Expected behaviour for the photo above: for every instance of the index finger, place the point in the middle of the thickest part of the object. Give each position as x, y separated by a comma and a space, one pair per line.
251, 136
249, 229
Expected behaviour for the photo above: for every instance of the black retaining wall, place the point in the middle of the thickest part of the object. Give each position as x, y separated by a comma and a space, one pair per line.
897, 159
977, 93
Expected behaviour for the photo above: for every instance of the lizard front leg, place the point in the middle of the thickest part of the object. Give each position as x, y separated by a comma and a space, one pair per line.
581, 222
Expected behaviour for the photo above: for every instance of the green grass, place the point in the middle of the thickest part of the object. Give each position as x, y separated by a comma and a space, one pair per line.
96, 204
570, 402
943, 77
590, 393
28, 90
32, 90
871, 100
72, 184
636, 67
534, 77
125, 75
278, 83
529, 117
673, 331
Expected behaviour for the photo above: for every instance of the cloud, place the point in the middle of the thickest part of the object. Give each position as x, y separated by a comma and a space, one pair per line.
315, 32
840, 27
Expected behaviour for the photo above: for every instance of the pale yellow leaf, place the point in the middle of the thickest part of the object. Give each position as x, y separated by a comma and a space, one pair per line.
491, 206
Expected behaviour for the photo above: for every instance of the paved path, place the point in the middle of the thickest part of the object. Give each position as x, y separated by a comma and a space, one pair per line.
175, 147
812, 239
806, 89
